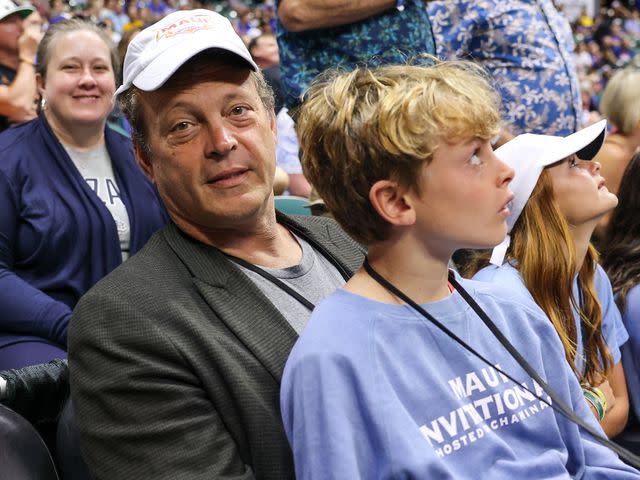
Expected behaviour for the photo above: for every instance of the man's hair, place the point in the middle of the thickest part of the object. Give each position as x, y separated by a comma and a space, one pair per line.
620, 101
129, 100
43, 55
372, 124
543, 249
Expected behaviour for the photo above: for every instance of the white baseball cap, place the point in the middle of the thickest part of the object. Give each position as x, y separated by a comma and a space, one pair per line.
528, 154
162, 48
7, 7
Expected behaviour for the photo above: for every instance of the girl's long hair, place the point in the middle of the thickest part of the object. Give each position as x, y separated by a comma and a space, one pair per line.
543, 250
621, 256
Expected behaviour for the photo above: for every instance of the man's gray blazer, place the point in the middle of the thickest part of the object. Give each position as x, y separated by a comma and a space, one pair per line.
176, 359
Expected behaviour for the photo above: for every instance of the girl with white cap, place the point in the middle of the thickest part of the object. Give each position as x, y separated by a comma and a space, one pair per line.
559, 198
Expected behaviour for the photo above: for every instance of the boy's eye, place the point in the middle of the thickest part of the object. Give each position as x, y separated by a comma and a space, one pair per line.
474, 160
573, 162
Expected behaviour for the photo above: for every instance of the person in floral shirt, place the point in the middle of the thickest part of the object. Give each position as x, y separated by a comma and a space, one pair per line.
527, 46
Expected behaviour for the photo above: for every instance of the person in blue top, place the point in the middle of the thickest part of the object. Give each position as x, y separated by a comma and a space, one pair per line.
621, 261
560, 197
74, 202
376, 389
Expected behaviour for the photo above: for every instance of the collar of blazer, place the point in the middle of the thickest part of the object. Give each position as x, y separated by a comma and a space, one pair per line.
235, 299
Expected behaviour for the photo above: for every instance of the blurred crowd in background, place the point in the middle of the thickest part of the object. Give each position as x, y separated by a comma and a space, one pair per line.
607, 34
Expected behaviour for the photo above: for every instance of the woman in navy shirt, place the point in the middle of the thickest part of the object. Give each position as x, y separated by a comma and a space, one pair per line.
74, 202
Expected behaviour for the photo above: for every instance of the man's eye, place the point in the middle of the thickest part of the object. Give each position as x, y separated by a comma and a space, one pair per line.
573, 162
180, 126
239, 110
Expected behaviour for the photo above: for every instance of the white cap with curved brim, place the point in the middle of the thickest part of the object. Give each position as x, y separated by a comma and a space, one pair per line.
528, 154
161, 49
7, 7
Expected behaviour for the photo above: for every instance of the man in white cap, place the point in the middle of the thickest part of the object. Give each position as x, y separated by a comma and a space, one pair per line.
176, 357
18, 45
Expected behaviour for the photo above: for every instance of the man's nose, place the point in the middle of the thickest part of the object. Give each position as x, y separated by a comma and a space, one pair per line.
222, 138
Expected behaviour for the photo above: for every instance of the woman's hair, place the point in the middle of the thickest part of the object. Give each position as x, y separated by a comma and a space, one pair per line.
43, 55
620, 101
367, 125
621, 258
543, 250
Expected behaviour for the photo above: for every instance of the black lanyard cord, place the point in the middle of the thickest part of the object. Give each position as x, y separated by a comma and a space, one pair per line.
557, 404
276, 281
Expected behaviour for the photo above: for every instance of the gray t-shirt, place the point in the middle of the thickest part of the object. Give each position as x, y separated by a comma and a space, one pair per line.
95, 167
314, 278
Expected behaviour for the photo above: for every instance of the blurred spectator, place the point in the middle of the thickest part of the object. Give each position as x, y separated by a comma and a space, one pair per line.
58, 12
18, 43
632, 24
315, 35
620, 104
115, 13
75, 204
584, 61
264, 50
135, 20
621, 260
287, 154
589, 110
158, 9
527, 47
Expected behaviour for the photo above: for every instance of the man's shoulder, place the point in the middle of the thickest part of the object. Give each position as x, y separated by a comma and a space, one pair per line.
324, 229
154, 268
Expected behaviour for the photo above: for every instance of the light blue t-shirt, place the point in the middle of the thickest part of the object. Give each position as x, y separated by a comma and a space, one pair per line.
613, 330
375, 391
631, 349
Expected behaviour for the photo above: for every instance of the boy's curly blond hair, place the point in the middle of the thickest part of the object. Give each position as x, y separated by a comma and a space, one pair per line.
367, 125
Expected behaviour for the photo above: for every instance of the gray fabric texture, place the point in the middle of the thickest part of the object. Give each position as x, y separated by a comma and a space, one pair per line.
314, 278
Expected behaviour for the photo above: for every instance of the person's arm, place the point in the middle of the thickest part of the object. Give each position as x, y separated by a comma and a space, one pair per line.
25, 309
18, 99
141, 409
280, 181
300, 15
298, 185
617, 415
599, 461
615, 335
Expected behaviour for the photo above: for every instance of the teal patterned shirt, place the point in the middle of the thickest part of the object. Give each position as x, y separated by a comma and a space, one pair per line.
390, 37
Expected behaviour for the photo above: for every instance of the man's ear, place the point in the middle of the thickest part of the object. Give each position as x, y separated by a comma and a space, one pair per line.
390, 202
144, 160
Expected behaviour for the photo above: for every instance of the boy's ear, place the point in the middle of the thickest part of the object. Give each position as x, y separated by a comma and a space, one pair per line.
390, 202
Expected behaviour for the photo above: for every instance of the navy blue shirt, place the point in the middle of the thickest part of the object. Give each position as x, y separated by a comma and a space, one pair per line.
6, 78
57, 238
